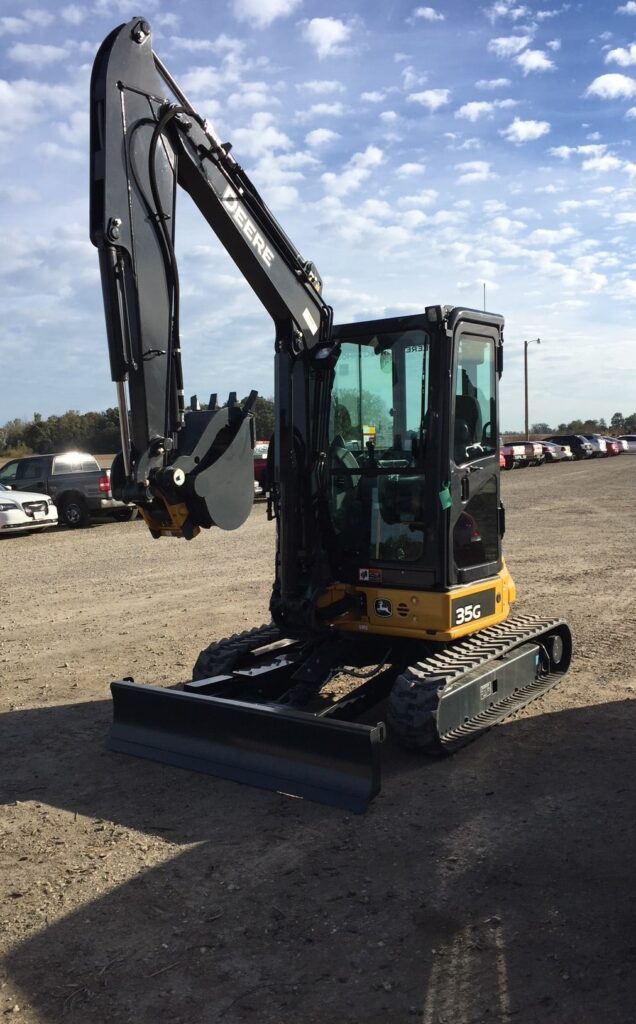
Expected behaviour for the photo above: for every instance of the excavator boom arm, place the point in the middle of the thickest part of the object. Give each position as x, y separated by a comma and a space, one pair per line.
144, 145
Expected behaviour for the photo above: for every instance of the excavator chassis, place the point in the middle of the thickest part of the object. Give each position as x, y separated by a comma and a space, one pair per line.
254, 712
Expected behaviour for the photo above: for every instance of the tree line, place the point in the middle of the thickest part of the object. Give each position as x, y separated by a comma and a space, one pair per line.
98, 432
94, 432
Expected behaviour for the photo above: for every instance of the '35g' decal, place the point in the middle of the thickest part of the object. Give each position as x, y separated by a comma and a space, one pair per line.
473, 607
467, 614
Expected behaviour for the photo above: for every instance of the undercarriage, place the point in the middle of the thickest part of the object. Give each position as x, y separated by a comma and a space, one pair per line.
282, 713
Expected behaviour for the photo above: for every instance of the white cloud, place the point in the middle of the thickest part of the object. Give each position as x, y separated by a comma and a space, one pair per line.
424, 199
411, 78
328, 36
38, 54
628, 8
321, 87
167, 20
506, 9
626, 218
602, 164
427, 14
507, 226
260, 137
431, 98
492, 83
357, 170
335, 109
534, 60
612, 87
525, 131
473, 171
554, 45
74, 14
76, 129
320, 137
202, 80
558, 236
508, 46
252, 94
565, 152
409, 170
34, 100
374, 96
19, 193
13, 26
263, 12
625, 56
191, 45
38, 16
474, 110
481, 108
52, 151
631, 112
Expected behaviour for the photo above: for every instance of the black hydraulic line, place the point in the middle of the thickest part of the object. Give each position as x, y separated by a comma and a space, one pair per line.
173, 369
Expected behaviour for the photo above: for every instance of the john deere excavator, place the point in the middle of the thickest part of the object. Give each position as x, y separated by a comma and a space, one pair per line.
390, 588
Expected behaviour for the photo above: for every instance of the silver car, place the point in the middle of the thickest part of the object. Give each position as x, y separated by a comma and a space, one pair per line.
631, 442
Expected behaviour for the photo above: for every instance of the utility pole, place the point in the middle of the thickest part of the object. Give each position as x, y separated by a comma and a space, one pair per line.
533, 341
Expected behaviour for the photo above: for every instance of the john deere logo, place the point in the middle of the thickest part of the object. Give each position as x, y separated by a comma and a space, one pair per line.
383, 607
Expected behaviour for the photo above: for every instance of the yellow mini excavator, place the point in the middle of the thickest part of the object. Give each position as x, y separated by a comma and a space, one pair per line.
383, 481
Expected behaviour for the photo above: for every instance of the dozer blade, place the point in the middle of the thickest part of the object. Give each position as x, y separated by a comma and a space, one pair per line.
265, 745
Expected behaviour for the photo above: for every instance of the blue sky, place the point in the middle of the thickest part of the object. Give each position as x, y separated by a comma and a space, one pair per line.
414, 153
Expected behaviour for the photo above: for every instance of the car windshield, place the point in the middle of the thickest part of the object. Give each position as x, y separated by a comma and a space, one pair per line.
260, 450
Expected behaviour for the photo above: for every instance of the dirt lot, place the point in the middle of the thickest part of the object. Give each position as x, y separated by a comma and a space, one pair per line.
495, 886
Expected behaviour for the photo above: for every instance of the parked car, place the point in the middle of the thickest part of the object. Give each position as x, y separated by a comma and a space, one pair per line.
554, 452
631, 441
74, 480
613, 446
599, 447
532, 453
25, 510
622, 442
514, 455
261, 449
579, 446
502, 459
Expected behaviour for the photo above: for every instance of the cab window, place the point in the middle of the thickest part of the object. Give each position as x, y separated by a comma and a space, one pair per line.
8, 472
475, 428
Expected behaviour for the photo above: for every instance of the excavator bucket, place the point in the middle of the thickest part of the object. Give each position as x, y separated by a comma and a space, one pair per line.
265, 745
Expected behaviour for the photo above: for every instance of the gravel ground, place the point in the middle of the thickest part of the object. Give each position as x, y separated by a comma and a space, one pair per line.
495, 886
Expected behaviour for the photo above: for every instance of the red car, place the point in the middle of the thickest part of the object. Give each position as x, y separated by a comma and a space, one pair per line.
613, 446
260, 468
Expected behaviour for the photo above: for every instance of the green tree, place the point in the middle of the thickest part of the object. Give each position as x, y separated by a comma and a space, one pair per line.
264, 414
617, 421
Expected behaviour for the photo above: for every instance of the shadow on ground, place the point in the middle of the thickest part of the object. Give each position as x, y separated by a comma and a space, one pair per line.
494, 886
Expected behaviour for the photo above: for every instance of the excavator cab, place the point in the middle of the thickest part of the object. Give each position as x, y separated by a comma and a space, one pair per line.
413, 471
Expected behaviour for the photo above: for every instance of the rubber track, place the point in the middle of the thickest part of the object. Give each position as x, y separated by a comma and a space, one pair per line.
221, 657
419, 688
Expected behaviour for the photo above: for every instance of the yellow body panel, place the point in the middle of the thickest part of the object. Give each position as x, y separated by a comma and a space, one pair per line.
423, 614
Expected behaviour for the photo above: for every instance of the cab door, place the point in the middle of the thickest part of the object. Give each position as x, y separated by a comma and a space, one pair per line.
476, 520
